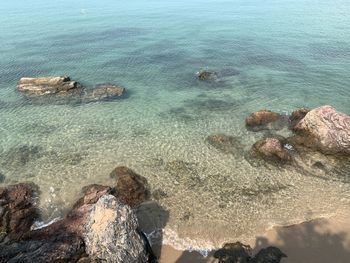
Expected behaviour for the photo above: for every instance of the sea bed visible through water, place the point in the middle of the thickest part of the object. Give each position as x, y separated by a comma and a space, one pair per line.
279, 56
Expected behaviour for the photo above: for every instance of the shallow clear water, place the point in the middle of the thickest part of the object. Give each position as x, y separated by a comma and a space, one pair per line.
278, 55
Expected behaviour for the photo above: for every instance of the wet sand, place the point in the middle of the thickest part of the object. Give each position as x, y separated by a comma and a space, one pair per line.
317, 241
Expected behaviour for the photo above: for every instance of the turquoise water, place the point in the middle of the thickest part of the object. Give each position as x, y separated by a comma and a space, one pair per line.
278, 55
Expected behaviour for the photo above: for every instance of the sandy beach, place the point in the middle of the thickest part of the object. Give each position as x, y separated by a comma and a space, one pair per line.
317, 241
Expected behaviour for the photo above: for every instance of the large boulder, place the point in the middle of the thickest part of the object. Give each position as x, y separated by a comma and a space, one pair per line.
18, 210
61, 241
265, 120
112, 233
47, 85
325, 129
272, 149
131, 188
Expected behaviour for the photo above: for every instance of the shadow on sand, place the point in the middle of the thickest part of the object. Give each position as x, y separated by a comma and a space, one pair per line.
317, 241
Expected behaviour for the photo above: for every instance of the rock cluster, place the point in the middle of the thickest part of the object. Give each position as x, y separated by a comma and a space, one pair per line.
100, 226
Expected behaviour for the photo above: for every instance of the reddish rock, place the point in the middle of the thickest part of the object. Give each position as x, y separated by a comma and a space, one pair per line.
325, 129
297, 116
18, 209
263, 119
271, 149
131, 188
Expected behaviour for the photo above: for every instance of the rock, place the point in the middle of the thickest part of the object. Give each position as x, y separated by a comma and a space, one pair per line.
269, 255
61, 241
21, 155
112, 233
225, 143
206, 75
297, 116
272, 149
264, 120
131, 188
326, 130
105, 92
18, 209
240, 253
47, 85
234, 253
2, 177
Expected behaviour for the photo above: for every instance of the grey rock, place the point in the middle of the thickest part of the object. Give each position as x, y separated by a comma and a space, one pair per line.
112, 234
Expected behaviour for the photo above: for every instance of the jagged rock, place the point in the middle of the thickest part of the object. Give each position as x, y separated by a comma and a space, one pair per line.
326, 130
18, 210
206, 75
104, 92
269, 255
272, 149
47, 85
265, 120
61, 241
112, 233
225, 143
234, 253
297, 116
131, 188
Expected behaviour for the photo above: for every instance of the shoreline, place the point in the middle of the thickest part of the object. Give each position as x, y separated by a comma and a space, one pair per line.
320, 240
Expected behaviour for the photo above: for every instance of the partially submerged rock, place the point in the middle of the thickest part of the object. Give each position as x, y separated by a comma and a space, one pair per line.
264, 120
325, 129
297, 116
112, 233
269, 255
206, 75
18, 210
131, 188
272, 149
47, 85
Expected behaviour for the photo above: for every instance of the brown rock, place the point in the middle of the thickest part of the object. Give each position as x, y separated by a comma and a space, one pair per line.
18, 209
326, 130
47, 85
263, 119
131, 188
271, 149
297, 116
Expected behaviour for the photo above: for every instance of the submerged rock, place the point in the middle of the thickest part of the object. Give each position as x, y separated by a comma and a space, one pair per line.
264, 120
18, 210
326, 130
131, 188
2, 177
21, 155
112, 233
272, 149
104, 92
225, 143
47, 85
206, 75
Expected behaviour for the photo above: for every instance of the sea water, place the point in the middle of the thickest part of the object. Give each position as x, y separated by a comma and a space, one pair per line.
278, 55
